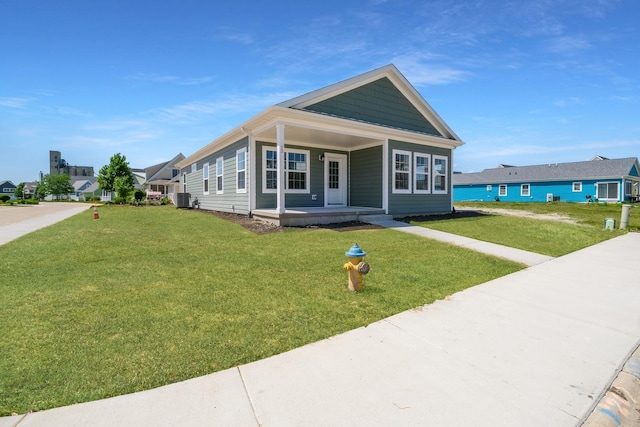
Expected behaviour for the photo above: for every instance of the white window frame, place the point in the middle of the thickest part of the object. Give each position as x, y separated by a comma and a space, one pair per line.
220, 175
194, 167
608, 183
427, 174
241, 170
489, 187
285, 179
205, 179
394, 189
184, 182
628, 188
576, 187
437, 174
524, 193
500, 192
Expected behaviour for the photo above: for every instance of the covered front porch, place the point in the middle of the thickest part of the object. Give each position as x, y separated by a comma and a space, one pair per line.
299, 217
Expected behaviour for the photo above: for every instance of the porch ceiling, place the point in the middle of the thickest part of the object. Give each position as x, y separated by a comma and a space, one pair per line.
295, 134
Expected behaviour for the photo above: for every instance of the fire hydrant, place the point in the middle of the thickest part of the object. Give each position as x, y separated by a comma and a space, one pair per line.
95, 212
356, 267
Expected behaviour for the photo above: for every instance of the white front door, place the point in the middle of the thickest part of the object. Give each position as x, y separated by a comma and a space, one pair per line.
335, 184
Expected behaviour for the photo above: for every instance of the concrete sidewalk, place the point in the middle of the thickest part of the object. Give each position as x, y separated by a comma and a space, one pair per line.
539, 347
512, 254
16, 221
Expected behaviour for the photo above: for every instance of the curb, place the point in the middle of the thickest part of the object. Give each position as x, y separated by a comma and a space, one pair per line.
620, 404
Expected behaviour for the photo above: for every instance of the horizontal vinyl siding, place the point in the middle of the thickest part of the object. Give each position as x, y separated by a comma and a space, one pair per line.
230, 200
537, 191
417, 204
378, 102
366, 178
293, 200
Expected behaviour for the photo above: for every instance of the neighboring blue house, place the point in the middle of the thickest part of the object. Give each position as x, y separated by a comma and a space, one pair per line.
607, 180
367, 145
8, 188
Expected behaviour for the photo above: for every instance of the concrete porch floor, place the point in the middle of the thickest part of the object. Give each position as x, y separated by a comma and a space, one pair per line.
297, 217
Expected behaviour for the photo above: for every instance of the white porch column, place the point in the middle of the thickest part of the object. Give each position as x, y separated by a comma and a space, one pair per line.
280, 165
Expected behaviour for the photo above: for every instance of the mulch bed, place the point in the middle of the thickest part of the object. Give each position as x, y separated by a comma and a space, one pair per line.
258, 226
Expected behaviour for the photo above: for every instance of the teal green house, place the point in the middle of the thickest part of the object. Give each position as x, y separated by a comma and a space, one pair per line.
368, 145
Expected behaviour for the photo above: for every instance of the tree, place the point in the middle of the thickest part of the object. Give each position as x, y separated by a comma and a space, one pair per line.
40, 191
116, 176
19, 191
58, 184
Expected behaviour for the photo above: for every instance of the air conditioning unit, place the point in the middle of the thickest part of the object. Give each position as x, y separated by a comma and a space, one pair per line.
549, 197
183, 200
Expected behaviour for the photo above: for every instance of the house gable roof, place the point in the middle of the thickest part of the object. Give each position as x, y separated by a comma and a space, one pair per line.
382, 97
345, 126
593, 169
155, 172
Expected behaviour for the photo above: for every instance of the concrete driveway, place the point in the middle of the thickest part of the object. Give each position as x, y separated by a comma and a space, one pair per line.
16, 221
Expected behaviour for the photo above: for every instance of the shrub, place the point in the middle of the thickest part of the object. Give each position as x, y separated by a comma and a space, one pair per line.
165, 201
4, 198
139, 195
119, 200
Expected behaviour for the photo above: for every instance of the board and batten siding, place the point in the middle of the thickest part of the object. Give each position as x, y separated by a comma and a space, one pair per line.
366, 177
378, 102
292, 200
415, 204
230, 200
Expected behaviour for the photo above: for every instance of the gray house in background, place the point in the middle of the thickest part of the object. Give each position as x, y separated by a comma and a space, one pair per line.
8, 188
367, 145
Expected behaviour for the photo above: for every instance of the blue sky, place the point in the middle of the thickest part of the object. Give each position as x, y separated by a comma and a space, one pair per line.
521, 83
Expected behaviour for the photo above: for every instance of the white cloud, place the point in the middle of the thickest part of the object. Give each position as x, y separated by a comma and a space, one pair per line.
427, 69
15, 102
158, 78
568, 44
236, 37
565, 102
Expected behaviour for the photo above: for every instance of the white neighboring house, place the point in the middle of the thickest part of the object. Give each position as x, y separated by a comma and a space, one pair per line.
138, 184
81, 186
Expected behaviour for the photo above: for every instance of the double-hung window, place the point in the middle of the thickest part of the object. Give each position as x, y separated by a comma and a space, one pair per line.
502, 190
241, 170
205, 178
296, 168
401, 171
421, 173
219, 175
184, 182
440, 174
525, 190
576, 187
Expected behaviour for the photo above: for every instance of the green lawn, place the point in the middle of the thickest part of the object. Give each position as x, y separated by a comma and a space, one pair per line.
153, 295
542, 236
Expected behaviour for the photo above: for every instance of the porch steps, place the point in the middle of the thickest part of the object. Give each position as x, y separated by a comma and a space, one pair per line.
374, 218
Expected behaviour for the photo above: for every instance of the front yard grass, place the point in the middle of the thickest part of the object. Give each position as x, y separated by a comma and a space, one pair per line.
541, 236
149, 296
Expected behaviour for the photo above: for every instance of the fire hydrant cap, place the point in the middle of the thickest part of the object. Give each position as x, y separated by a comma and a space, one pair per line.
355, 252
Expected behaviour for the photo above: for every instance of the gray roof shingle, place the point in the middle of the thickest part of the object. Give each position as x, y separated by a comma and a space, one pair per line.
593, 169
